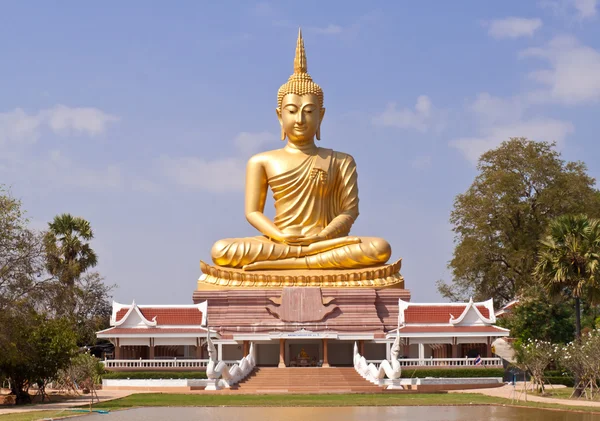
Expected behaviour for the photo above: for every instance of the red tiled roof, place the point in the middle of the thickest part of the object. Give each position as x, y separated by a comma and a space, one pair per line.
437, 314
485, 312
454, 329
168, 316
121, 313
432, 314
152, 331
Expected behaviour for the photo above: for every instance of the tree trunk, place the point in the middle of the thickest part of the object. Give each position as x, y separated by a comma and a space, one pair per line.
577, 317
21, 395
578, 389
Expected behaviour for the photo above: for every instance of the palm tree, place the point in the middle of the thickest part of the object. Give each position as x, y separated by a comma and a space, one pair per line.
569, 260
67, 248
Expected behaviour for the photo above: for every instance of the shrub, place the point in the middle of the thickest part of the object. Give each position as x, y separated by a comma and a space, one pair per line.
452, 372
144, 375
567, 381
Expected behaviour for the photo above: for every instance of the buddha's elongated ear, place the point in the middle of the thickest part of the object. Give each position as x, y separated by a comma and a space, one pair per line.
320, 121
278, 111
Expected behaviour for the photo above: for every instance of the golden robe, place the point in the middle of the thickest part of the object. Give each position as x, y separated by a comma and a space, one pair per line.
320, 196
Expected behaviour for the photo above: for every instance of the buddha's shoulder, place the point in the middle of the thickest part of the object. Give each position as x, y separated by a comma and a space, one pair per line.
261, 158
337, 155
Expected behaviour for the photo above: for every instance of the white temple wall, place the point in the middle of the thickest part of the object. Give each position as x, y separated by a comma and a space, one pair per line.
174, 341
134, 341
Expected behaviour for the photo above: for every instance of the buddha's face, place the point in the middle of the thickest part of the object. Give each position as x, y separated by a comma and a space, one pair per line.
300, 117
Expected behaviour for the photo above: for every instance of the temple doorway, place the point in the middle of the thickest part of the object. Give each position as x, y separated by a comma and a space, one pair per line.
267, 354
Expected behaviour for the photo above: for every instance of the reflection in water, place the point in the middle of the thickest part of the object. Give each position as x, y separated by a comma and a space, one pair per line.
387, 413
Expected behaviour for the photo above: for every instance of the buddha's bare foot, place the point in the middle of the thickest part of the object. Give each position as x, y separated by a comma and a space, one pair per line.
331, 244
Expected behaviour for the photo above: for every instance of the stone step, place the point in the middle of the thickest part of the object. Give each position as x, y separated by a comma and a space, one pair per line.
305, 380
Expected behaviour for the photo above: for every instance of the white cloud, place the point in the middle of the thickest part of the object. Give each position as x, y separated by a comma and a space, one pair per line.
514, 27
405, 118
90, 121
226, 174
54, 171
18, 126
574, 73
543, 129
585, 8
578, 9
491, 110
249, 143
217, 176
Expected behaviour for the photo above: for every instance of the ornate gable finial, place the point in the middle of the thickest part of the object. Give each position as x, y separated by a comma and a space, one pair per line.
300, 58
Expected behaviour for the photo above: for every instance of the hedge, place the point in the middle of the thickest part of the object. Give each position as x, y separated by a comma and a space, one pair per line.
452, 372
567, 381
142, 375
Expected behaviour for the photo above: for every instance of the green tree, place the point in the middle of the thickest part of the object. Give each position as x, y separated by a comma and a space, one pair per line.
36, 347
68, 251
89, 301
521, 186
569, 261
21, 253
540, 319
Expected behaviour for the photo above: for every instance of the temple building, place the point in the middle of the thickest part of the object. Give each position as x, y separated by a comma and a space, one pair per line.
175, 336
304, 290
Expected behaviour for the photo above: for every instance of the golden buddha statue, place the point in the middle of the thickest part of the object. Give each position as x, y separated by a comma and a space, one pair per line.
315, 191
316, 202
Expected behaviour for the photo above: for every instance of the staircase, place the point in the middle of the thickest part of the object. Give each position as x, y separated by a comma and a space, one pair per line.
306, 380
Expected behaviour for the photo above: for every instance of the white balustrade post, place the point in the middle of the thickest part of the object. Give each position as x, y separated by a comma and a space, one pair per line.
422, 354
219, 352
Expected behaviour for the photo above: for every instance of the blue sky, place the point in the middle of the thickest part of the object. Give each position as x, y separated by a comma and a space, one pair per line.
139, 116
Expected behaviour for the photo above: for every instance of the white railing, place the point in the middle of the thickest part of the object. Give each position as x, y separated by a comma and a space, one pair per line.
155, 364
159, 364
444, 362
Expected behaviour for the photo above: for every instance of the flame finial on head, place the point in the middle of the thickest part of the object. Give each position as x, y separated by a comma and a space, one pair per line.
300, 58
300, 83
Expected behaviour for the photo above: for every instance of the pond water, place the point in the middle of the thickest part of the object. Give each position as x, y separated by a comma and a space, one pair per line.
387, 413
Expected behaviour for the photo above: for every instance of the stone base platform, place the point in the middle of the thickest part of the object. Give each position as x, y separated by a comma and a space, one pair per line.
384, 276
236, 312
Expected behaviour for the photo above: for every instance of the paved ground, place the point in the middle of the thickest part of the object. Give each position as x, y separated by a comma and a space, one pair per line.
103, 395
508, 392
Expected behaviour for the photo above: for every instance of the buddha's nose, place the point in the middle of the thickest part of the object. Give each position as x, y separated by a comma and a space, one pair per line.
299, 118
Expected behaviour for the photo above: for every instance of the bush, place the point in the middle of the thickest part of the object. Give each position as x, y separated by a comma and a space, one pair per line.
452, 372
567, 381
144, 375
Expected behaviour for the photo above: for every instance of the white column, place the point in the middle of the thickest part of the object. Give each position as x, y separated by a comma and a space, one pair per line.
388, 350
219, 352
421, 351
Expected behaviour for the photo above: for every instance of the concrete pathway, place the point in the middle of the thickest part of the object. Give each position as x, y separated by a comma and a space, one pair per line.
507, 392
103, 395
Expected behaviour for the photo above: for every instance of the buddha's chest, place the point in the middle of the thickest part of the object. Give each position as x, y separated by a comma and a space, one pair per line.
285, 164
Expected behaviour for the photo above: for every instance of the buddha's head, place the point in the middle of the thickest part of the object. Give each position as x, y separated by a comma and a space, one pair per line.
300, 102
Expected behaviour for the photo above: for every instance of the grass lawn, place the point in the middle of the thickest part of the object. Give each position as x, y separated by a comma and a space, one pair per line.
159, 399
563, 393
36, 415
165, 399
